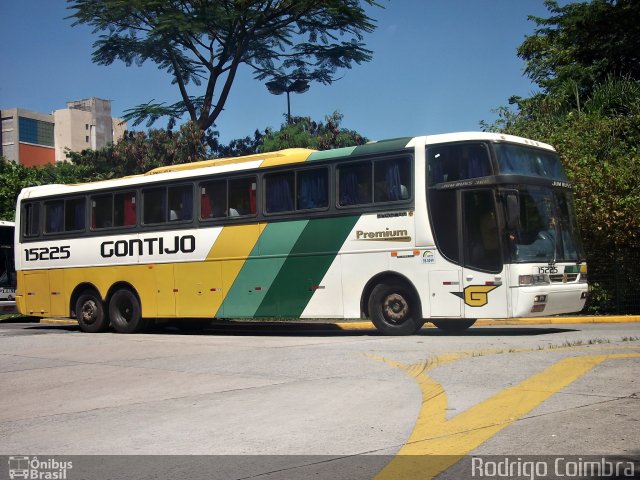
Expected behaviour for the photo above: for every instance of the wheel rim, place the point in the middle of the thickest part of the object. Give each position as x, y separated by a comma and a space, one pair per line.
395, 308
89, 312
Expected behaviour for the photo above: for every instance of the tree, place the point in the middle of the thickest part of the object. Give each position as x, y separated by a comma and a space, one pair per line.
302, 132
139, 152
14, 177
202, 44
583, 44
585, 59
236, 147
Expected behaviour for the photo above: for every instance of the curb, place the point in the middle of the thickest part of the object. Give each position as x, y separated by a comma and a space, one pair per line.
482, 322
491, 322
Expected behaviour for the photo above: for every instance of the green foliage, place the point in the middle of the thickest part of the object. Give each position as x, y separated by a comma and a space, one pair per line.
202, 44
237, 147
303, 132
14, 178
599, 149
585, 59
583, 43
139, 152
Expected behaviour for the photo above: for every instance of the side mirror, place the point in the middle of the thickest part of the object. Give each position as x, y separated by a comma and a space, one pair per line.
513, 211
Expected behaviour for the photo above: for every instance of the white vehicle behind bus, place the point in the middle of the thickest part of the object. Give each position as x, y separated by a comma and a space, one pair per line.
7, 269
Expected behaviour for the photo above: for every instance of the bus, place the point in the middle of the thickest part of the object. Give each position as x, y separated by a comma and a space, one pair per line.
7, 269
442, 228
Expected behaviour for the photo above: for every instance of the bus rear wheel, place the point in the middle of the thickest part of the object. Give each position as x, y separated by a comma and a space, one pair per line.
393, 310
454, 326
90, 312
125, 312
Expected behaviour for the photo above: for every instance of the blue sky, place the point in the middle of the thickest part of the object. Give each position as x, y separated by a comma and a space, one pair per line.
439, 66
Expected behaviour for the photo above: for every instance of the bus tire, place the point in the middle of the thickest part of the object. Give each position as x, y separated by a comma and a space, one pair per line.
125, 312
394, 310
90, 312
454, 325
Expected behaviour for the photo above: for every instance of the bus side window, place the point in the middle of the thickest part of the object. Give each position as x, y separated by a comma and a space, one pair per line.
354, 184
450, 163
102, 211
279, 192
213, 199
154, 206
312, 189
180, 203
74, 215
242, 196
54, 217
124, 209
392, 180
117, 210
31, 222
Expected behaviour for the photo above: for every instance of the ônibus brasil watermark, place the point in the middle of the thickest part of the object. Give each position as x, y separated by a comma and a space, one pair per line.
34, 468
558, 467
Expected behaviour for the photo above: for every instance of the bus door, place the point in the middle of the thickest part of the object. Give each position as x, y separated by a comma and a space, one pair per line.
484, 290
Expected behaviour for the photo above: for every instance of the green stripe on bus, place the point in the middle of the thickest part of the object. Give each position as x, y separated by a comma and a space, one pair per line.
260, 269
335, 153
306, 266
383, 146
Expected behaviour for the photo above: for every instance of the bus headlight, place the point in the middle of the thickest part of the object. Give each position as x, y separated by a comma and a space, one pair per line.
528, 280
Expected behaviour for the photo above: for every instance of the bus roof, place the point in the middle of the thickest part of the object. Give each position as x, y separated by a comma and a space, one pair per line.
271, 159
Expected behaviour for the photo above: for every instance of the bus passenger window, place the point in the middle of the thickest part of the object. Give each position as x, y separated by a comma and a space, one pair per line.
102, 211
450, 163
154, 203
312, 189
180, 203
392, 180
279, 192
124, 209
354, 184
242, 196
213, 199
74, 215
118, 210
54, 217
31, 224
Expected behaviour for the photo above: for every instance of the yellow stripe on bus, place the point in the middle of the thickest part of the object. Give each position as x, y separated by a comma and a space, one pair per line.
233, 246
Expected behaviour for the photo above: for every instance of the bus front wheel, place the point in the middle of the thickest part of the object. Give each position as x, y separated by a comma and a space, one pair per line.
90, 312
125, 312
394, 310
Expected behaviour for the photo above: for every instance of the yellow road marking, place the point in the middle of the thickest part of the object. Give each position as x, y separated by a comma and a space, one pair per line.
437, 443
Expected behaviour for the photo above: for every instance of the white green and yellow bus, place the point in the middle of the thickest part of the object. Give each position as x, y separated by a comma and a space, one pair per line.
442, 228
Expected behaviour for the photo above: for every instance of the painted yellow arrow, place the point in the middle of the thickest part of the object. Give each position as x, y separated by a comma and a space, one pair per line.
437, 443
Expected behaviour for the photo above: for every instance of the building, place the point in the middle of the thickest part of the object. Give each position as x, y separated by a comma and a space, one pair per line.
32, 138
27, 137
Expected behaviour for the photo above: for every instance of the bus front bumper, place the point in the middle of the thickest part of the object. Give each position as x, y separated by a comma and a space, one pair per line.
548, 300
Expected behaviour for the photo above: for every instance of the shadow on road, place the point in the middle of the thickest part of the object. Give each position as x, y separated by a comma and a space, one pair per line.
303, 330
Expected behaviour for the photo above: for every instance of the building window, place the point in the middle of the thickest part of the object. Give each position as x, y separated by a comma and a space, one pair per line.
86, 139
35, 131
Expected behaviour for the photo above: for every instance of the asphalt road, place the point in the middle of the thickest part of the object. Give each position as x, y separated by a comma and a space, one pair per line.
318, 401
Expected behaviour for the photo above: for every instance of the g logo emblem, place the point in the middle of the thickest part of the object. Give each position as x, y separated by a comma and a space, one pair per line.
476, 295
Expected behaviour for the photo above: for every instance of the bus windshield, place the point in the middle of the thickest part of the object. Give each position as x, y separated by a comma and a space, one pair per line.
522, 160
547, 231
